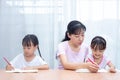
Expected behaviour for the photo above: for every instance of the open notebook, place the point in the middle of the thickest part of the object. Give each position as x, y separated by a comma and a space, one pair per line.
23, 71
101, 70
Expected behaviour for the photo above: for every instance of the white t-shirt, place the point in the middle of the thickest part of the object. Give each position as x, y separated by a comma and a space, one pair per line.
19, 62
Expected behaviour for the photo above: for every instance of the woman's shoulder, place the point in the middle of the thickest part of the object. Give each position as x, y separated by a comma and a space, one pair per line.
65, 43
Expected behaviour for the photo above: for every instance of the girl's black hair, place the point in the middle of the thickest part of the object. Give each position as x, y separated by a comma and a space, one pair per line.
98, 43
74, 27
31, 38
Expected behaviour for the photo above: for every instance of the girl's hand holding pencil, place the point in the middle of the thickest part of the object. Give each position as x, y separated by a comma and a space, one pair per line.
92, 66
89, 60
9, 66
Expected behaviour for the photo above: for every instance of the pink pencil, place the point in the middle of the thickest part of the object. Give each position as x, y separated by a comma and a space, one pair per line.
91, 61
6, 61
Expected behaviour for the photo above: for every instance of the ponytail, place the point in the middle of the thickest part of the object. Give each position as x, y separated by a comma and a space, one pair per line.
66, 37
39, 53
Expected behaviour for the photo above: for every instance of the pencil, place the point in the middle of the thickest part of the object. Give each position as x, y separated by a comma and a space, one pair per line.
6, 61
91, 61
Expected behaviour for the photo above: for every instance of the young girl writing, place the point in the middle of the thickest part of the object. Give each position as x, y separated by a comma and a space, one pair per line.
71, 52
28, 60
98, 46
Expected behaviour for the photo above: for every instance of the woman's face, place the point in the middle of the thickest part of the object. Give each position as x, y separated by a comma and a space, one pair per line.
77, 39
29, 50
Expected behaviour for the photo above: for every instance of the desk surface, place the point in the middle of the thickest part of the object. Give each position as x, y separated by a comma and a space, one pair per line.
58, 75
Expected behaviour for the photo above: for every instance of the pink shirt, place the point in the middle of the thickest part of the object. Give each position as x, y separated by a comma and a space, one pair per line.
74, 57
104, 62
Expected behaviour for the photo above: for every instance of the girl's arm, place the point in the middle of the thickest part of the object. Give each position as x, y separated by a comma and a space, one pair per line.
74, 66
41, 67
112, 67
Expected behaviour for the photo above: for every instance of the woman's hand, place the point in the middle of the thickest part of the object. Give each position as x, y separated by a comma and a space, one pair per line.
92, 67
9, 67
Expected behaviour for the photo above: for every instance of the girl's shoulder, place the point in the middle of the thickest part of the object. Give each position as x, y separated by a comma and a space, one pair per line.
20, 55
18, 58
37, 57
106, 57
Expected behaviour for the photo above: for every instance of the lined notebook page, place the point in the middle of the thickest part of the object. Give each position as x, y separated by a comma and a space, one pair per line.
101, 70
22, 71
86, 70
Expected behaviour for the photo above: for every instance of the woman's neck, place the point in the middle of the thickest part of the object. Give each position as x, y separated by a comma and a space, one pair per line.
74, 47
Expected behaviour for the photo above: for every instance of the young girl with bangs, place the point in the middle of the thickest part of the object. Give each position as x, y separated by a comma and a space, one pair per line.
98, 46
28, 59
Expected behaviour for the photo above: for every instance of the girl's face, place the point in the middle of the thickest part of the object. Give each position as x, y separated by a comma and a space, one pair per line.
29, 50
77, 39
97, 53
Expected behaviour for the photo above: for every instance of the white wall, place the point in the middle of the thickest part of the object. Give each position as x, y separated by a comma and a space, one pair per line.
49, 19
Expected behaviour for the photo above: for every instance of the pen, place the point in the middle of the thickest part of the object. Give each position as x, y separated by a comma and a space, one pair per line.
6, 61
91, 61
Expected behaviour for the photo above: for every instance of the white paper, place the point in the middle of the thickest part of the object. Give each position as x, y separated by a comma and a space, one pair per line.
101, 70
82, 70
117, 70
86, 70
23, 71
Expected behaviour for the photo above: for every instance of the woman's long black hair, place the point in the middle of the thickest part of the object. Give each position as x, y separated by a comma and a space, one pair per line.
74, 27
31, 38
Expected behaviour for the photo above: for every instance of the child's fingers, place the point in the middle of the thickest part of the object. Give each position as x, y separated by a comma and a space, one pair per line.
93, 69
10, 67
94, 65
90, 61
112, 70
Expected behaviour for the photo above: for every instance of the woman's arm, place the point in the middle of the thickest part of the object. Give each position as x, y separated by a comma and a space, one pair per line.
74, 66
69, 65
